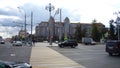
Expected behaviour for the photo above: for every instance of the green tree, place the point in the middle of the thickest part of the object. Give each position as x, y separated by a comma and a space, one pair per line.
78, 33
84, 32
95, 32
112, 36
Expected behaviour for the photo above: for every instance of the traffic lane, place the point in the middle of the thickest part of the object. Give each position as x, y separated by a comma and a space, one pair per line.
91, 56
15, 53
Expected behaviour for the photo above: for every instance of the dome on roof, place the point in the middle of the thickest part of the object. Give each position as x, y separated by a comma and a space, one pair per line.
66, 20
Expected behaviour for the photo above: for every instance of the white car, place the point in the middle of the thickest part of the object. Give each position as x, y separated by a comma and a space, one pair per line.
17, 43
2, 42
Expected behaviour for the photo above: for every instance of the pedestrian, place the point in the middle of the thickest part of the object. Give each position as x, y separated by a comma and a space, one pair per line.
33, 42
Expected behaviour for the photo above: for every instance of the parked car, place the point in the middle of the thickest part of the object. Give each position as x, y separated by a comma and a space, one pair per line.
113, 47
17, 43
6, 64
70, 43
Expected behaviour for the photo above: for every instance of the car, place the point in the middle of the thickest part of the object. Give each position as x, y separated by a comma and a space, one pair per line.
70, 43
113, 47
17, 43
6, 64
2, 42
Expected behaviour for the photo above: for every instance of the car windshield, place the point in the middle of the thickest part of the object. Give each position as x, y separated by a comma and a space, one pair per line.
111, 43
2, 65
66, 41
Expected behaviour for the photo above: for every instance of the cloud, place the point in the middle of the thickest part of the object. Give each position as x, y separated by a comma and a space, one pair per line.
9, 11
76, 10
8, 15
8, 31
8, 20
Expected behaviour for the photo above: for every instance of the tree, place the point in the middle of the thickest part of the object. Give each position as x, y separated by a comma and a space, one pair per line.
112, 36
84, 32
78, 33
95, 32
94, 21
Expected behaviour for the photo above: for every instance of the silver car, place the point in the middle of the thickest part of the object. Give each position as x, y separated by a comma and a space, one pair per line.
7, 64
17, 43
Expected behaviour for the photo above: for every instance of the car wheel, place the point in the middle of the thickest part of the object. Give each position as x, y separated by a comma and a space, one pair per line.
119, 54
110, 54
62, 46
73, 46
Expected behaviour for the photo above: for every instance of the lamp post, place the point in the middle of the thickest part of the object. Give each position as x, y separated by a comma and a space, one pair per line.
24, 21
49, 8
58, 11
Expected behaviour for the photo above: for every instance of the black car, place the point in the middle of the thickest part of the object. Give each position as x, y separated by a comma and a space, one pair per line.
113, 47
70, 43
6, 64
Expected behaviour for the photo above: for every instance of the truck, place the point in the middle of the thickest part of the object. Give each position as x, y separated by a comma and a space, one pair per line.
88, 40
113, 47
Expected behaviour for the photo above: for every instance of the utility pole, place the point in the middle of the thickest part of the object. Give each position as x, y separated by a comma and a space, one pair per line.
31, 26
25, 28
60, 26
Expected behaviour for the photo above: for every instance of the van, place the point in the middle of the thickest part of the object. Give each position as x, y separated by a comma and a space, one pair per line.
88, 40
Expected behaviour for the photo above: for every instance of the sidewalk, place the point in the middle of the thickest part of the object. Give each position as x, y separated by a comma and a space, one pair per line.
44, 57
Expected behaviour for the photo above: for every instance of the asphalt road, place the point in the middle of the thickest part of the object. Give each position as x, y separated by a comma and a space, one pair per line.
90, 56
14, 53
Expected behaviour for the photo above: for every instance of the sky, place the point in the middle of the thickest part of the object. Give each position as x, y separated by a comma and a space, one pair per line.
84, 11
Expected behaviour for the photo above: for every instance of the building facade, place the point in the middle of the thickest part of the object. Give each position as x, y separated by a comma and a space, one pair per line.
61, 28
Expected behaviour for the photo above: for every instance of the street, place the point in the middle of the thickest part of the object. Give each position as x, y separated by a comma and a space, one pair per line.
90, 56
14, 53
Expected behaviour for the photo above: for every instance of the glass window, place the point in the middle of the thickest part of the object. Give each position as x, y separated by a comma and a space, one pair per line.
2, 65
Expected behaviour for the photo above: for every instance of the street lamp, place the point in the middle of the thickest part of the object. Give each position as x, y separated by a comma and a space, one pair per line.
49, 8
24, 21
58, 11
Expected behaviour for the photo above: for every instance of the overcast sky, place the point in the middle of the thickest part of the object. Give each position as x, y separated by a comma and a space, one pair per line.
83, 11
